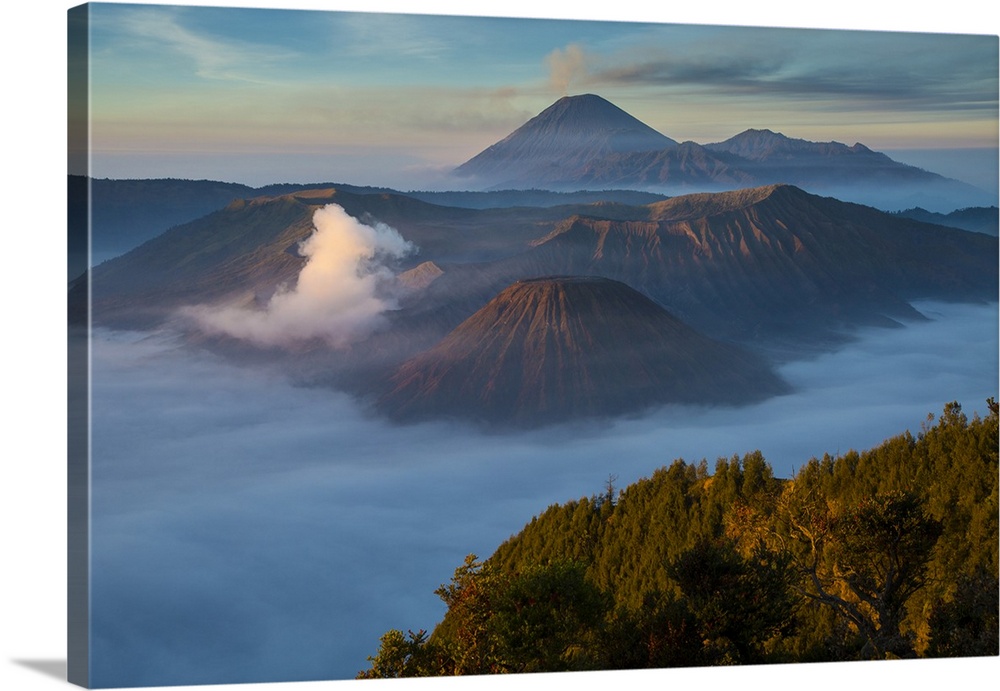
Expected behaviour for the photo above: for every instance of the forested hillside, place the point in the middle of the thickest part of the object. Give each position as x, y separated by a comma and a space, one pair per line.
887, 553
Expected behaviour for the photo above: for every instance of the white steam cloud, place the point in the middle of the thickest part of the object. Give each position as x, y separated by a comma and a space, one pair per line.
566, 65
341, 294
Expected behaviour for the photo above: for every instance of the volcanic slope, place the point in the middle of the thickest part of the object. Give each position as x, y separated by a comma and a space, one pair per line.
554, 349
560, 140
770, 263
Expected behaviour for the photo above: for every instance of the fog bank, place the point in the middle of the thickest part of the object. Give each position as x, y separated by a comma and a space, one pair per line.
248, 530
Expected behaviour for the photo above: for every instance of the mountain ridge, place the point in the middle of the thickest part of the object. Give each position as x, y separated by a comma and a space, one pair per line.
732, 264
775, 270
759, 264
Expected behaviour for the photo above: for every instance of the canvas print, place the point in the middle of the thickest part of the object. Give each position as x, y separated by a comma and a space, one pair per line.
425, 345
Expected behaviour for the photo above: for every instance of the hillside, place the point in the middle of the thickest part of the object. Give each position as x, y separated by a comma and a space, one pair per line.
126, 213
247, 248
881, 554
754, 265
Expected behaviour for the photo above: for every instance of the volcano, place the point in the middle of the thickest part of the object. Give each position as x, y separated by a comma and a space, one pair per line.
563, 138
556, 349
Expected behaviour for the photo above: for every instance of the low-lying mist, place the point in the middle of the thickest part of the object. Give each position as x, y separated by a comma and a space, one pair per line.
248, 530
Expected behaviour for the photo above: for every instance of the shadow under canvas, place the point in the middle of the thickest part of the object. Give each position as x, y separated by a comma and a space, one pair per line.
50, 668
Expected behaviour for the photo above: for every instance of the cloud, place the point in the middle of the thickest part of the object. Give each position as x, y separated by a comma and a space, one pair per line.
856, 69
341, 293
212, 57
377, 35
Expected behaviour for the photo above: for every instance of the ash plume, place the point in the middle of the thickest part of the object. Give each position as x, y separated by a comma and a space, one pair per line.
565, 66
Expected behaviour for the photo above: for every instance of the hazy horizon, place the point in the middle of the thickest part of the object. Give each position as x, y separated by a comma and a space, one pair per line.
976, 166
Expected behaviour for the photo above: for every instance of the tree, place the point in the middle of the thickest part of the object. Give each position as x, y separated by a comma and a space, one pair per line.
543, 618
408, 655
890, 552
546, 619
464, 632
662, 632
967, 625
866, 562
739, 602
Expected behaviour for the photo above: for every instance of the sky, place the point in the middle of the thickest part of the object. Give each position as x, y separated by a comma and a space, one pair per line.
32, 291
260, 95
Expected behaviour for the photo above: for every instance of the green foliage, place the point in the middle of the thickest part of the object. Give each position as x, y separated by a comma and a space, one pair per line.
406, 656
547, 618
739, 602
541, 618
662, 632
950, 469
866, 562
967, 625
890, 552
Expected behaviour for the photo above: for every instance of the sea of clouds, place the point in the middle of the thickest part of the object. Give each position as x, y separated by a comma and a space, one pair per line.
245, 529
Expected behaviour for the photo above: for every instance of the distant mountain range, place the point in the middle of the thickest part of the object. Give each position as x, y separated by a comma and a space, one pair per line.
977, 219
585, 141
773, 269
126, 213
